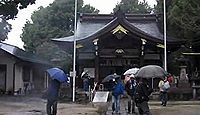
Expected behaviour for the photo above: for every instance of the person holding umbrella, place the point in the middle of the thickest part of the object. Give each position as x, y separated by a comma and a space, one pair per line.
142, 93
57, 77
86, 83
130, 89
52, 97
117, 90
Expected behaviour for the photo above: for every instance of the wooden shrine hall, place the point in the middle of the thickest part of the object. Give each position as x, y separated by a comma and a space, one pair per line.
113, 43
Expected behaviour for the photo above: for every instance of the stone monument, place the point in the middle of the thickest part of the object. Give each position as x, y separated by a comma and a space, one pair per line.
183, 83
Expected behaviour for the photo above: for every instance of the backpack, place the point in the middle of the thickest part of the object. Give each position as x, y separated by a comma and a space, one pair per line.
140, 95
166, 85
118, 89
138, 98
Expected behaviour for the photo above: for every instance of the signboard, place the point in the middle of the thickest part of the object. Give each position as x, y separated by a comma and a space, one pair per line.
71, 73
101, 96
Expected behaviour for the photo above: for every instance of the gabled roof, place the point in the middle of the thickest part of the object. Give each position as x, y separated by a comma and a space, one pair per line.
91, 26
21, 54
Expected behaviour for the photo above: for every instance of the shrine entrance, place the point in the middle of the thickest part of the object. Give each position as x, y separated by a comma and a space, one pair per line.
115, 65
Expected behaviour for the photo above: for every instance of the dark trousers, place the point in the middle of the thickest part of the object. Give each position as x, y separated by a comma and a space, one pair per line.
163, 98
143, 108
51, 107
116, 104
131, 104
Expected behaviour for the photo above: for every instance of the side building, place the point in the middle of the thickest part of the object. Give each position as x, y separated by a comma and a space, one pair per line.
21, 72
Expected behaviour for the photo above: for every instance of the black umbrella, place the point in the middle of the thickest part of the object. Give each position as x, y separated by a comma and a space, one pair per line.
110, 77
151, 71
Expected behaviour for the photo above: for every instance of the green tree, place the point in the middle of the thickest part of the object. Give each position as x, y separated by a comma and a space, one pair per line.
8, 10
183, 22
54, 21
133, 6
184, 19
5, 27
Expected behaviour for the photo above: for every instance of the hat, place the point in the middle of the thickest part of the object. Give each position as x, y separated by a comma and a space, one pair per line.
132, 76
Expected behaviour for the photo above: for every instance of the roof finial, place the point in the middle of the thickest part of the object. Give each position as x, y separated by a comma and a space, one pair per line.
119, 13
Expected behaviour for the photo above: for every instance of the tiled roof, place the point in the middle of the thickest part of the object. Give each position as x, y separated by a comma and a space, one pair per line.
21, 54
89, 25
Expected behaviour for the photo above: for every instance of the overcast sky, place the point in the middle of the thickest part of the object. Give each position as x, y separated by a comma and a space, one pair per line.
105, 7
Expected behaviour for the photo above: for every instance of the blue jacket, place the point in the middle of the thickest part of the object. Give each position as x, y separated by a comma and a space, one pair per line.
53, 90
118, 89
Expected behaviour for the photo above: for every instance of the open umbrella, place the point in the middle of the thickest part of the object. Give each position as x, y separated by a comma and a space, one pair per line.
151, 71
58, 74
84, 74
131, 71
110, 77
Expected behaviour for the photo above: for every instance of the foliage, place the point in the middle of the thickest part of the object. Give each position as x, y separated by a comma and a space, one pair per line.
133, 6
54, 21
9, 10
183, 22
5, 27
184, 16
183, 19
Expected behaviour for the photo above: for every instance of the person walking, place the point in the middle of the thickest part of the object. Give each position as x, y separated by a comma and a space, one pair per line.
52, 97
130, 89
163, 87
142, 93
86, 83
117, 90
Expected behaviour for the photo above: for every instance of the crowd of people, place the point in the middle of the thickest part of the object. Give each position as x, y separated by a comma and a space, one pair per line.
136, 89
138, 92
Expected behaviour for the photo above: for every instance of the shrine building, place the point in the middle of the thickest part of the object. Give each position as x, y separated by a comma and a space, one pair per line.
113, 43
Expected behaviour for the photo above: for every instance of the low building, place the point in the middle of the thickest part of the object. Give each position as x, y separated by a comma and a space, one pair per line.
20, 71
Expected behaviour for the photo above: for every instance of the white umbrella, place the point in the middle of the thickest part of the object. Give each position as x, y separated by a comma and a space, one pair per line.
131, 71
83, 73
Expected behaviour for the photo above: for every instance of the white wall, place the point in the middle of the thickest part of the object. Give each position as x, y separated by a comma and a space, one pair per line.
9, 61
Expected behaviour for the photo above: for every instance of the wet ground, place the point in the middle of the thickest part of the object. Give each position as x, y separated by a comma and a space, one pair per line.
168, 110
29, 105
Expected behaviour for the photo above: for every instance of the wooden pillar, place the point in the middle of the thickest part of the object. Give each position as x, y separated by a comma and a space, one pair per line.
96, 69
142, 53
96, 61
